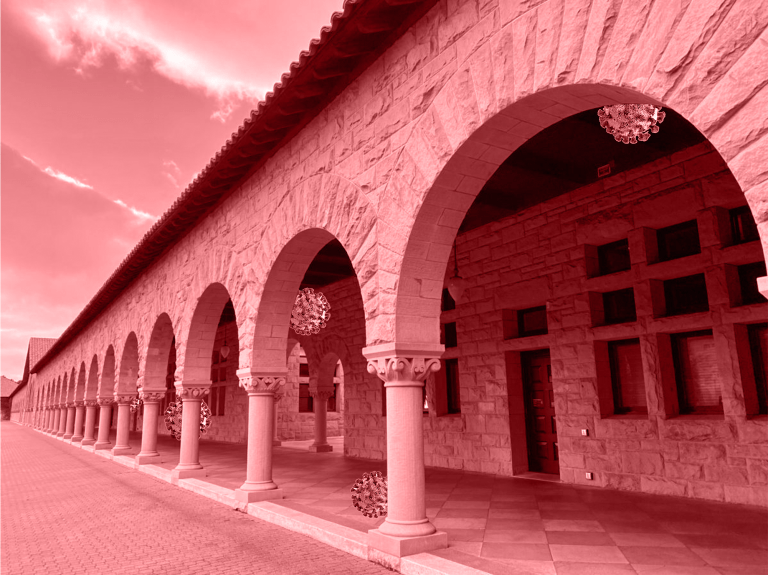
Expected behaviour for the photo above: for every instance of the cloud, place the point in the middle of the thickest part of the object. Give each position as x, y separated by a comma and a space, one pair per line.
87, 34
60, 242
172, 172
65, 178
144, 216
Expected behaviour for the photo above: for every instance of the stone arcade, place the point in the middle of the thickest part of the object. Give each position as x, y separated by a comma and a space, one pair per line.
612, 332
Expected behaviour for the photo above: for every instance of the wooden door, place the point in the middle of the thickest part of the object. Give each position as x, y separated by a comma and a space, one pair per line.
541, 428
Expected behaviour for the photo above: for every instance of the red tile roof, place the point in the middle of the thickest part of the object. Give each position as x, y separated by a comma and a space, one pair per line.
356, 37
7, 386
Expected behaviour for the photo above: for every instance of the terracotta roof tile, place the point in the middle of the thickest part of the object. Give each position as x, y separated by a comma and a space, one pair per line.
7, 386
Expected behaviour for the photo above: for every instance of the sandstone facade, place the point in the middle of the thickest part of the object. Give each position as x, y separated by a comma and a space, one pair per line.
390, 167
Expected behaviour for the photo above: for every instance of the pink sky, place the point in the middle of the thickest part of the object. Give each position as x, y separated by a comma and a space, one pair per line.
109, 108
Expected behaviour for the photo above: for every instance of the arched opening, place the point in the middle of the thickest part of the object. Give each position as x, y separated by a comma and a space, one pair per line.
92, 385
107, 379
610, 293
127, 380
81, 382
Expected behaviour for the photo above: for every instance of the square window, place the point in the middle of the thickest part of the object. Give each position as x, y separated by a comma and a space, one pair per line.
305, 400
532, 321
758, 343
449, 335
678, 241
743, 226
686, 295
619, 306
748, 275
447, 303
696, 373
613, 257
453, 404
627, 377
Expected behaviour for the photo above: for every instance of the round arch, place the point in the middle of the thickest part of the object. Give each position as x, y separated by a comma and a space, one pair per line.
106, 382
79, 394
158, 350
128, 370
92, 385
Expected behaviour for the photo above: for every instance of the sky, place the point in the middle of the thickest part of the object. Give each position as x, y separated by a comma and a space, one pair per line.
109, 110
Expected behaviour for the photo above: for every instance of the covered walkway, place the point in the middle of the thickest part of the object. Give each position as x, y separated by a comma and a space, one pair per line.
507, 525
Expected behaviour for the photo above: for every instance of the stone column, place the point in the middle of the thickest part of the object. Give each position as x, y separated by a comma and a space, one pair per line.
403, 369
70, 421
320, 403
276, 438
105, 413
261, 387
191, 395
152, 401
48, 417
123, 420
62, 429
90, 422
115, 415
77, 432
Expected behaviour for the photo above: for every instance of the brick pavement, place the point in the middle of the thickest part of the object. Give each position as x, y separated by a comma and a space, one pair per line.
65, 511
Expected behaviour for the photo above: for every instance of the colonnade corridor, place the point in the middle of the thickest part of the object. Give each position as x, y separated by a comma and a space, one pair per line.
496, 523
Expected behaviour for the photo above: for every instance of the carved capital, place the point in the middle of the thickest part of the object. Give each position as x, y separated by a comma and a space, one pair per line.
260, 381
321, 394
151, 395
91, 403
123, 398
187, 390
105, 401
78, 403
403, 365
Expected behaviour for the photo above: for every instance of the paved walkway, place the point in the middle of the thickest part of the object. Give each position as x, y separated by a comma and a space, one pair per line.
65, 511
502, 525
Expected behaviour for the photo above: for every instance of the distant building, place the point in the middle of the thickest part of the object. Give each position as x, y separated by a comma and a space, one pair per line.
7, 387
17, 399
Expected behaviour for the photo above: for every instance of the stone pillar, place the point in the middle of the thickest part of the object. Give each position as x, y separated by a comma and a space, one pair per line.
105, 413
152, 401
70, 421
48, 419
77, 432
90, 422
62, 429
115, 415
191, 395
275, 437
320, 403
123, 420
261, 387
403, 369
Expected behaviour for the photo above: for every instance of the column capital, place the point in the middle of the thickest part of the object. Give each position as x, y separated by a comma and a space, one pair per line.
321, 394
261, 382
79, 403
91, 402
403, 365
105, 401
123, 398
151, 395
192, 389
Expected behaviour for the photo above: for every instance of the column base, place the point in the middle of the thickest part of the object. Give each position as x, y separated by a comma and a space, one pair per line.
254, 496
187, 473
403, 546
76, 438
88, 442
143, 459
320, 448
105, 445
276, 443
121, 451
66, 437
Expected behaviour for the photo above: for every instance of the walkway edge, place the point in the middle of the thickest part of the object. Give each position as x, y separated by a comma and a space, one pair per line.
332, 534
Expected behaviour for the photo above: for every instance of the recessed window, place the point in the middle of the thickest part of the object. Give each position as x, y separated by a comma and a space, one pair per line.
748, 275
449, 335
619, 306
696, 373
743, 226
678, 241
627, 377
758, 342
613, 257
453, 404
303, 370
532, 321
686, 295
305, 400
447, 303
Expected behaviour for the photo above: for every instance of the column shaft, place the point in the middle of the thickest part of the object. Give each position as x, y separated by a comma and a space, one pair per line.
123, 421
90, 423
105, 414
77, 432
320, 405
189, 451
62, 422
70, 422
149, 453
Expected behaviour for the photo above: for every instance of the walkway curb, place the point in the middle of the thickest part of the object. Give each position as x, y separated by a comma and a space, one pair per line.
327, 532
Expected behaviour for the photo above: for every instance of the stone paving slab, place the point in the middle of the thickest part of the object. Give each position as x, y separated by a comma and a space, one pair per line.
65, 511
